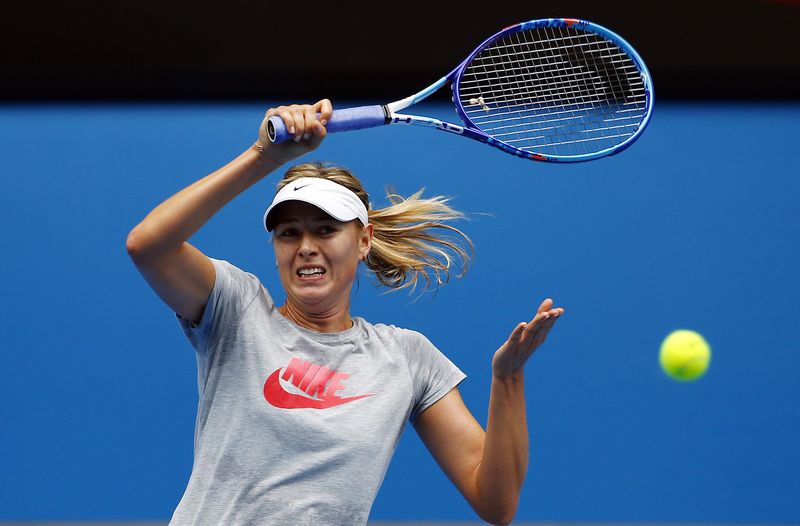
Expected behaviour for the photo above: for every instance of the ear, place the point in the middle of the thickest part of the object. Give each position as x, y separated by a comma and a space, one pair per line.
365, 241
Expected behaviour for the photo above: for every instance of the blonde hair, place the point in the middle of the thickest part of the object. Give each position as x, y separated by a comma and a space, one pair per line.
411, 239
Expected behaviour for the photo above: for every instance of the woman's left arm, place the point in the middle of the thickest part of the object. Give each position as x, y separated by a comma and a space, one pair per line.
489, 467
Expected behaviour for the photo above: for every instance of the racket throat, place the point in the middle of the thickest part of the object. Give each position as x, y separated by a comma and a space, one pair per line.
428, 122
402, 104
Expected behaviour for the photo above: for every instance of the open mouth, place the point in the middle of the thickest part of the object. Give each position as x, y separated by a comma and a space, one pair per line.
310, 272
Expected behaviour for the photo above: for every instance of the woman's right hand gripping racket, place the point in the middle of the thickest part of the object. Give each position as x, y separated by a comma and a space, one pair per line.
559, 89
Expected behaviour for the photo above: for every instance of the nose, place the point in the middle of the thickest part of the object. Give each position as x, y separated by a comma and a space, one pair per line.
308, 247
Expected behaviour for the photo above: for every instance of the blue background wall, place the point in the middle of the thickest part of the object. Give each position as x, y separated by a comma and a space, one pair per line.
694, 227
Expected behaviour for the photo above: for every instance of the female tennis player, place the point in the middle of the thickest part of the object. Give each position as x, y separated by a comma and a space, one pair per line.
301, 405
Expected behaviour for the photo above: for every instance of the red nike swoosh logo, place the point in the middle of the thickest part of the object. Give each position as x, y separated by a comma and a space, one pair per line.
277, 396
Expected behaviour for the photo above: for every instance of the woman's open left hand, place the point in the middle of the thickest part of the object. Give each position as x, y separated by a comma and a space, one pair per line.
510, 358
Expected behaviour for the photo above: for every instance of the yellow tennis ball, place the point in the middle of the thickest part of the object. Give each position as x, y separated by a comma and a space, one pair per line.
685, 355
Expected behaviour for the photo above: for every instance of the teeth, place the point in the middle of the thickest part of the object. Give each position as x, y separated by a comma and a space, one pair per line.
310, 271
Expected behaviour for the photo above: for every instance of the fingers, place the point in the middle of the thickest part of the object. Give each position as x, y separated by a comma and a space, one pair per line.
301, 119
547, 310
325, 110
547, 304
311, 121
319, 134
516, 334
542, 322
539, 325
285, 114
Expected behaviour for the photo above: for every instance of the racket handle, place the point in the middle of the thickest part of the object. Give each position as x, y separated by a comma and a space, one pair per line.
346, 119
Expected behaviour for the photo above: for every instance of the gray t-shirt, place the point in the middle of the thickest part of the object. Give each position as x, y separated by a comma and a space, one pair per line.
295, 426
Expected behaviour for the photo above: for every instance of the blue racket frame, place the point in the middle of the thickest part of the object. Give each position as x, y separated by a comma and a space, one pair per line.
362, 117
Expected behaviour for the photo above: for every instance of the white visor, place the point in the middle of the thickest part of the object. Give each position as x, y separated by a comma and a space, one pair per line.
332, 198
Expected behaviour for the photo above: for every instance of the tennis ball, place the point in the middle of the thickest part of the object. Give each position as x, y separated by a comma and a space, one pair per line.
684, 355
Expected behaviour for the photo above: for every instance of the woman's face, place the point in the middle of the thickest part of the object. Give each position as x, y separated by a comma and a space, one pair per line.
317, 255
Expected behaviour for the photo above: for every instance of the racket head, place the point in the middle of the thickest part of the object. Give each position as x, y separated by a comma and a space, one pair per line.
556, 89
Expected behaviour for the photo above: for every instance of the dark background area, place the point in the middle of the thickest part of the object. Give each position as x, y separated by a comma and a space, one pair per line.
252, 50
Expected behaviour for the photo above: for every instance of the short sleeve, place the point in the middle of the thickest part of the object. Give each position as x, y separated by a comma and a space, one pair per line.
234, 290
433, 375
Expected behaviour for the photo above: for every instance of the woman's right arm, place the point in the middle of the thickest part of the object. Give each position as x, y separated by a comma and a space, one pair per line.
181, 275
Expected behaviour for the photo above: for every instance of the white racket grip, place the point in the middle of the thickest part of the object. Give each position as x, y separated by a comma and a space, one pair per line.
346, 119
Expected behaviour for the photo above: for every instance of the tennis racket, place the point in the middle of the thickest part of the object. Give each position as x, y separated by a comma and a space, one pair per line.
558, 89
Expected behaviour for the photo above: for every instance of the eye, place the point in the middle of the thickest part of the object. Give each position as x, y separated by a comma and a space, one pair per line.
326, 229
287, 232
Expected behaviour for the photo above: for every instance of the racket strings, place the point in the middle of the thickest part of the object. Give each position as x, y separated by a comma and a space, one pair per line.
560, 95
543, 87
556, 91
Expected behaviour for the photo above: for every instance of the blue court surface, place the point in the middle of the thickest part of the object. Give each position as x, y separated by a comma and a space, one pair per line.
695, 226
